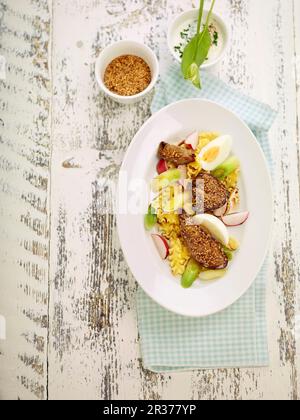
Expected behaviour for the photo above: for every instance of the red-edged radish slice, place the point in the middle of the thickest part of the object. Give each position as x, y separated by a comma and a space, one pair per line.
235, 219
192, 140
221, 211
161, 245
161, 166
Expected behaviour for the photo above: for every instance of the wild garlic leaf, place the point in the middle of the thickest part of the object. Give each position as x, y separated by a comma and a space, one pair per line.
189, 55
194, 55
203, 46
193, 75
196, 51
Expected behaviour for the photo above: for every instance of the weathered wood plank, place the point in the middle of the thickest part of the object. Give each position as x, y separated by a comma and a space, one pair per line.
296, 75
24, 174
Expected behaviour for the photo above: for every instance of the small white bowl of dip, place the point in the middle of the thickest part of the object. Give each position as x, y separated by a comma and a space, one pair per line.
184, 26
121, 48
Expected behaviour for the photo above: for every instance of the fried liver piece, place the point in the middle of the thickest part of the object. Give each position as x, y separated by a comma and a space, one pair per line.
209, 193
175, 154
202, 246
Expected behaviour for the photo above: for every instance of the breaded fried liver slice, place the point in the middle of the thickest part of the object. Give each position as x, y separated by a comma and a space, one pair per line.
202, 246
209, 193
175, 154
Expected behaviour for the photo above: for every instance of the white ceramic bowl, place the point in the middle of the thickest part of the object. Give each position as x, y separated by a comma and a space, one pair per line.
193, 15
122, 48
171, 124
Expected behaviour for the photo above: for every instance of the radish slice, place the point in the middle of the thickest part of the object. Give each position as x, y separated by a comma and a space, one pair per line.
161, 166
161, 245
192, 140
235, 219
221, 211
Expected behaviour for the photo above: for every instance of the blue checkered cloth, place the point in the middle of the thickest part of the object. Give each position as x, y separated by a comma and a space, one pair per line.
236, 337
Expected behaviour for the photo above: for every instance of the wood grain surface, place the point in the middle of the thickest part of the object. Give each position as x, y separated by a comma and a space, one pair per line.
67, 296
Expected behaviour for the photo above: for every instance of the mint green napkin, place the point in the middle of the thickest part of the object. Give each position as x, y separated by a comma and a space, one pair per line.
236, 337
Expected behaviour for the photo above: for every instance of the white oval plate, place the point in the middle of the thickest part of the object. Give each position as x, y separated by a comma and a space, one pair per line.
170, 124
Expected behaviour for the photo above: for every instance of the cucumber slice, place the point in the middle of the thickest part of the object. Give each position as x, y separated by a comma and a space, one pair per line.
226, 168
229, 254
150, 219
191, 274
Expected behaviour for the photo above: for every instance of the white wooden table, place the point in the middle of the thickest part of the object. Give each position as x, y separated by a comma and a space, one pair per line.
67, 296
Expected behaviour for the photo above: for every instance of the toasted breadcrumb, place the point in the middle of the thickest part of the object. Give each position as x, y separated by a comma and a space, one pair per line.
127, 75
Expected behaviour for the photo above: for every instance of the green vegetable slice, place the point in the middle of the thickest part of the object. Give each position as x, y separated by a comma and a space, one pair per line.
226, 168
191, 274
229, 254
150, 219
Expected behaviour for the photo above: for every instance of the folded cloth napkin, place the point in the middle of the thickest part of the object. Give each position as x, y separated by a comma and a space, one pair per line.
236, 337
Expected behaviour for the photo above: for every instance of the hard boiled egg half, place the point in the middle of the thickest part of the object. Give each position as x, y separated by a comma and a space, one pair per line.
215, 153
216, 228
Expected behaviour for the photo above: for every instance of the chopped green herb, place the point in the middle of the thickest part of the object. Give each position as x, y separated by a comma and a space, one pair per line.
216, 38
184, 35
178, 49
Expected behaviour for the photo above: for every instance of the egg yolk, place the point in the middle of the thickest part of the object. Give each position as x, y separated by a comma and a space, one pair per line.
211, 154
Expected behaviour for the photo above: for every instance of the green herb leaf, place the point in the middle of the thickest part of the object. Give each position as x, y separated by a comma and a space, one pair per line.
196, 51
194, 75
189, 56
216, 38
203, 47
194, 56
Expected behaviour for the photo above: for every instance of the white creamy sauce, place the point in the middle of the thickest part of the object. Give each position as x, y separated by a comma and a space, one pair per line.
189, 27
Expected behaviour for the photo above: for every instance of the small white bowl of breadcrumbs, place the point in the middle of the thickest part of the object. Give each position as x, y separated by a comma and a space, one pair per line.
126, 71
